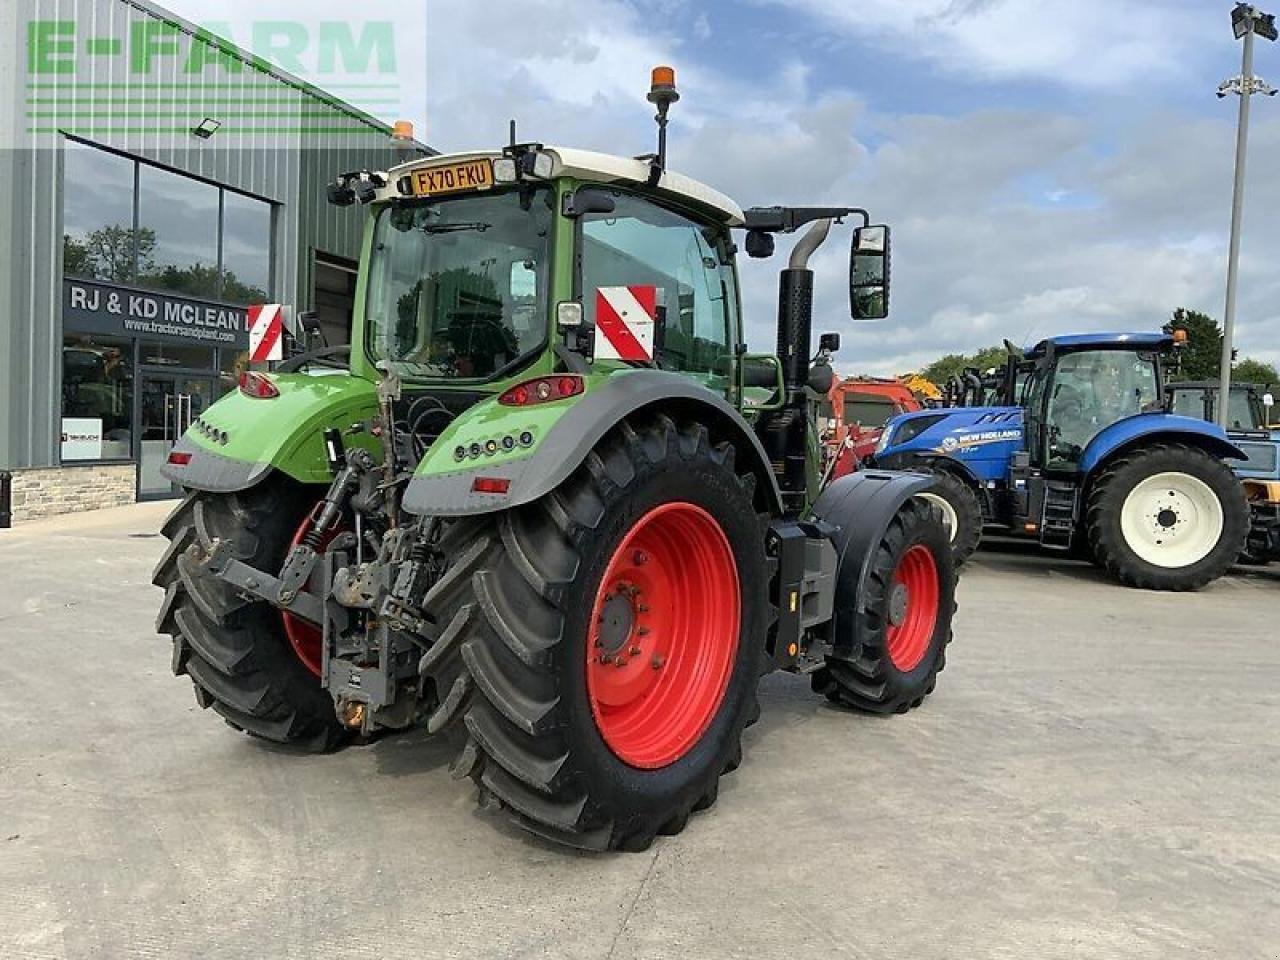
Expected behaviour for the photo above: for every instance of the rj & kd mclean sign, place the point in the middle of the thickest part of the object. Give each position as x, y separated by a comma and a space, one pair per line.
89, 307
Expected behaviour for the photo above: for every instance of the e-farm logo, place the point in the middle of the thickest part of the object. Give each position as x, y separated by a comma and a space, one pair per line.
167, 78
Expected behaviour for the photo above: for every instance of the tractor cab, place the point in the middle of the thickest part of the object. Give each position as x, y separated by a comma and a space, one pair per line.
1078, 386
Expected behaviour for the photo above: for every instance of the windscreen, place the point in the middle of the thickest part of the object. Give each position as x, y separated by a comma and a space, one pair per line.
458, 287
872, 414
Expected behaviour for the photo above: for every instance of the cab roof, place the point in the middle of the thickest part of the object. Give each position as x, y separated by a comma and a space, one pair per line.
1102, 341
598, 168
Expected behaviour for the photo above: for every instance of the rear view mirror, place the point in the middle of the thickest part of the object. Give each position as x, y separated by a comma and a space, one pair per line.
869, 273
829, 343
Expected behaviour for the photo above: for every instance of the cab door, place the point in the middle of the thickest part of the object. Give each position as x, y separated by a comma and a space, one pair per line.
642, 257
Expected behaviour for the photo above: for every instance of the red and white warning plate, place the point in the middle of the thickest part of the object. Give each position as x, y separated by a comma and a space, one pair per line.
266, 332
624, 322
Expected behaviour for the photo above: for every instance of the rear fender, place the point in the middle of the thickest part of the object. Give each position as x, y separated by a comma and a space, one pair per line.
560, 436
861, 506
284, 433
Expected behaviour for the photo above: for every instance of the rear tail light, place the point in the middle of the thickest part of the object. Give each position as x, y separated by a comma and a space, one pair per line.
258, 386
179, 459
490, 485
542, 390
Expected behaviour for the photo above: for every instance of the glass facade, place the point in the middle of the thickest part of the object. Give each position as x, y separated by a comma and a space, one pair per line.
129, 222
98, 227
177, 233
97, 398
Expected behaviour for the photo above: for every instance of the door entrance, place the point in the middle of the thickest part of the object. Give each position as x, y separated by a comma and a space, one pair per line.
168, 405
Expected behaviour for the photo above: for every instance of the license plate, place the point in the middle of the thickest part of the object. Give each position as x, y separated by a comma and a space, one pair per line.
452, 178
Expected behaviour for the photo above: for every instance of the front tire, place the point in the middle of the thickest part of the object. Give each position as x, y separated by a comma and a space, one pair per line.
905, 625
961, 513
1167, 517
236, 651
651, 554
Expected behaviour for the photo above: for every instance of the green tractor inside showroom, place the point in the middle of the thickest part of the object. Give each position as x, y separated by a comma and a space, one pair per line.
549, 501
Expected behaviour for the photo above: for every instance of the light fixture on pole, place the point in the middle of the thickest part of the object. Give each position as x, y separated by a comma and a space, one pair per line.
1246, 22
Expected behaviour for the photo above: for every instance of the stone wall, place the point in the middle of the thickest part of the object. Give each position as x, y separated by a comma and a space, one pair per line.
49, 491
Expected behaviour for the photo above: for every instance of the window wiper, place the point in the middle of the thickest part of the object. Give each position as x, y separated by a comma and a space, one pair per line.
454, 227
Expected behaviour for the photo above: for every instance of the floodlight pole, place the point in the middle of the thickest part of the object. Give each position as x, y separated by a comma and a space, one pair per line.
1233, 254
1247, 86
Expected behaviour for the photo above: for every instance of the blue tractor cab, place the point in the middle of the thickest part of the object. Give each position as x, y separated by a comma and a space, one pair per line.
1084, 454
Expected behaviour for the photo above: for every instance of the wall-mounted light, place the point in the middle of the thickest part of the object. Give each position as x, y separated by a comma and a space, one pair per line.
206, 128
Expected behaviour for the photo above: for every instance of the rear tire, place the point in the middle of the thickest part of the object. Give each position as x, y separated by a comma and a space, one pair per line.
961, 513
1167, 517
906, 626
234, 650
517, 658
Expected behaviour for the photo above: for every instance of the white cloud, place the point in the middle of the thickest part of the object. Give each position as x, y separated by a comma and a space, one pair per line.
1087, 43
982, 251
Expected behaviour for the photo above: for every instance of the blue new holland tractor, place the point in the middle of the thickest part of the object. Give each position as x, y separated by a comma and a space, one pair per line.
1086, 458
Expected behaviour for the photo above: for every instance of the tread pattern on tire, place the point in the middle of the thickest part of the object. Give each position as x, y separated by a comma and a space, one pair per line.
1121, 563
234, 650
964, 500
507, 599
863, 681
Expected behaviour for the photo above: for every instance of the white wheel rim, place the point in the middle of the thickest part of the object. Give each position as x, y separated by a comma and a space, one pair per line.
1171, 520
949, 519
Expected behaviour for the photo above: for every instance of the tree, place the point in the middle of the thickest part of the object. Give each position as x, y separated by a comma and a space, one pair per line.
108, 253
1249, 370
953, 364
1201, 357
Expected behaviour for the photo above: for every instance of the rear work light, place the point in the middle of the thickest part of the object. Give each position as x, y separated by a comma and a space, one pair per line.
258, 386
179, 459
542, 390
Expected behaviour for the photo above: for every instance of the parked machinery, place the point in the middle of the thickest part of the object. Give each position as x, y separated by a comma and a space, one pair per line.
1089, 459
554, 503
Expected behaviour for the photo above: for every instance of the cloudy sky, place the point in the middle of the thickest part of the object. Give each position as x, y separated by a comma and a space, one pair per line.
1046, 167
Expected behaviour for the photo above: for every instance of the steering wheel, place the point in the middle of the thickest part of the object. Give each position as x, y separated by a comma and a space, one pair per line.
486, 341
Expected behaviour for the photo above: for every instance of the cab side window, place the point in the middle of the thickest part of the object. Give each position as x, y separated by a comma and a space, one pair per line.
640, 244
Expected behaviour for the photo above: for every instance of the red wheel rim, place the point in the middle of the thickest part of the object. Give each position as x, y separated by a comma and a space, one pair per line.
663, 635
913, 608
305, 637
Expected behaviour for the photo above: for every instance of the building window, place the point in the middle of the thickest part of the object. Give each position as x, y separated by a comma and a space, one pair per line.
98, 228
182, 235
97, 398
246, 249
177, 233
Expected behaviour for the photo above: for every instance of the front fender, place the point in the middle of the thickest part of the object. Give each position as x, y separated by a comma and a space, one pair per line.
861, 506
283, 433
560, 435
924, 462
1157, 426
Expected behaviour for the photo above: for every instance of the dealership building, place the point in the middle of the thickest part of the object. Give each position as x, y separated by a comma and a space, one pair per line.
155, 182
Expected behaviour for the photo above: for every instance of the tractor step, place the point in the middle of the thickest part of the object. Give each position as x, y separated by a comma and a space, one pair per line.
1058, 520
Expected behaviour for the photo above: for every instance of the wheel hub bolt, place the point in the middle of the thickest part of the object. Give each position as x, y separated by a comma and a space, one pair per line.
640, 558
643, 631
635, 651
657, 661
620, 662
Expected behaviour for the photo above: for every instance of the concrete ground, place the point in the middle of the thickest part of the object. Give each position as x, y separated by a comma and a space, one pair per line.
1096, 776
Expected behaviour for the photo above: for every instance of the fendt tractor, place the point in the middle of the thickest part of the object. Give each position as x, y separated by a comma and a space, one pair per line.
550, 502
1088, 460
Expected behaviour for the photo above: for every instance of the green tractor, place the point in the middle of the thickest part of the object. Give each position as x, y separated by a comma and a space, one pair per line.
547, 499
